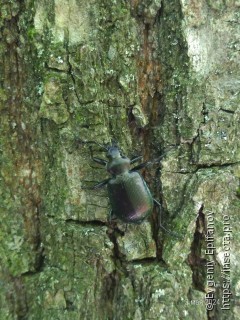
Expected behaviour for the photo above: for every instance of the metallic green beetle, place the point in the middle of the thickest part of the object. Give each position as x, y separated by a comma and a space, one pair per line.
130, 198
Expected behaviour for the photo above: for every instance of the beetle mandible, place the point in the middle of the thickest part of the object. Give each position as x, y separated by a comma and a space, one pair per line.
130, 198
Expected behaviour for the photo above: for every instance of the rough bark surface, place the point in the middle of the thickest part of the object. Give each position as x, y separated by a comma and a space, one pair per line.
156, 77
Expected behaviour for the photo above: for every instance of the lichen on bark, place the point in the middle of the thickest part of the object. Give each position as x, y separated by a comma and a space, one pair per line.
156, 77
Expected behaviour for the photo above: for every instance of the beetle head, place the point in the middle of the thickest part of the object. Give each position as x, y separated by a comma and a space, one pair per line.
113, 152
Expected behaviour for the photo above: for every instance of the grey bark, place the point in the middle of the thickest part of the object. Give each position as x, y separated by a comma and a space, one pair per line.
156, 77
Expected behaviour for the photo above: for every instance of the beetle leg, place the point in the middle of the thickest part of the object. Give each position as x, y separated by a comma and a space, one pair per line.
148, 163
98, 185
160, 219
141, 166
98, 160
135, 159
111, 216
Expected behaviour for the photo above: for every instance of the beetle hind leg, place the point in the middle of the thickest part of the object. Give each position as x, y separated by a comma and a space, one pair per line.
111, 216
160, 220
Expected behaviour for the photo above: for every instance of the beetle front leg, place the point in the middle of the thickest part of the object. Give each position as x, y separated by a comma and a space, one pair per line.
147, 163
98, 160
98, 185
135, 159
141, 166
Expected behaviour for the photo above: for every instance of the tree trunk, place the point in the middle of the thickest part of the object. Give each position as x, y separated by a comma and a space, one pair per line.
159, 78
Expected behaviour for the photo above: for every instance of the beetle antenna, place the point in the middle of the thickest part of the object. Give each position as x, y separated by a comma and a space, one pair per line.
94, 142
114, 143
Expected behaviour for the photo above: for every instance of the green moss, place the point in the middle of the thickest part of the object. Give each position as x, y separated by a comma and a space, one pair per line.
31, 33
238, 192
5, 12
3, 97
89, 96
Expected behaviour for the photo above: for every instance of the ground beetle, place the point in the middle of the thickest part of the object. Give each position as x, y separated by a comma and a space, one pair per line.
130, 198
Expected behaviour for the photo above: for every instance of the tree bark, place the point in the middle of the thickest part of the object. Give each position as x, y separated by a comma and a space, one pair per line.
160, 79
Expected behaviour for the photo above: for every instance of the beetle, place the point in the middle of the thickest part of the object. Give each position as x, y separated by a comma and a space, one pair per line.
130, 198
